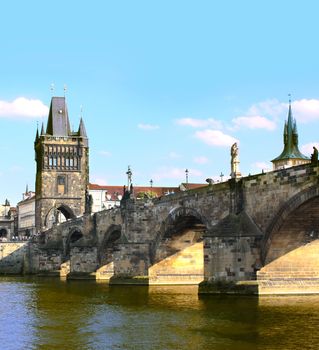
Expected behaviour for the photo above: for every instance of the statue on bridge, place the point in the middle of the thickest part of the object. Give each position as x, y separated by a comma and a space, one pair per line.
234, 152
88, 202
314, 156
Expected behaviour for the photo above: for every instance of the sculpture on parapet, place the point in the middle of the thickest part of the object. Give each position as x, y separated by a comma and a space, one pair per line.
314, 156
234, 152
88, 202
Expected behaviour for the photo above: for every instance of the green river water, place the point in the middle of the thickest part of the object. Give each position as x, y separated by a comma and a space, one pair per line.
40, 313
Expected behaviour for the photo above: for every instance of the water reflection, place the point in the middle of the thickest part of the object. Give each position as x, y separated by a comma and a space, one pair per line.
52, 314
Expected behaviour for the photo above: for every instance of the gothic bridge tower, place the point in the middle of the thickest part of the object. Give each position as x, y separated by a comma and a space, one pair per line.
62, 168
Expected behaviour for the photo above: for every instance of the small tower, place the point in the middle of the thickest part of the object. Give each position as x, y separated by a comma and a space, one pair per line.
62, 168
291, 155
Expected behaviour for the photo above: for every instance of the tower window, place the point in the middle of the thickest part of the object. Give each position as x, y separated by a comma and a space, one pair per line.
61, 184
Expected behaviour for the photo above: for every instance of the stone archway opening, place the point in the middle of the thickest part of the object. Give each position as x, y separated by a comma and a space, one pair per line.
75, 236
179, 255
107, 249
59, 214
291, 260
3, 234
301, 226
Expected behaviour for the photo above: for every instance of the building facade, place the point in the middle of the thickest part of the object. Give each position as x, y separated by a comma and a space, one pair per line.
26, 216
7, 221
62, 168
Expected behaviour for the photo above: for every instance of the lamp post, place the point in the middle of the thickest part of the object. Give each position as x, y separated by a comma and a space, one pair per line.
186, 173
221, 176
151, 183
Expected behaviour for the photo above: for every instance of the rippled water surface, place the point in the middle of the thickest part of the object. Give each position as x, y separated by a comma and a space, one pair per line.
54, 314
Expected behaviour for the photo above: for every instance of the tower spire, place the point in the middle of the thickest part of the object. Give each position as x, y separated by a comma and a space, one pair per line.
58, 121
42, 129
290, 155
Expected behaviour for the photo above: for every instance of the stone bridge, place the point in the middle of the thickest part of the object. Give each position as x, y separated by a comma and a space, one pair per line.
257, 234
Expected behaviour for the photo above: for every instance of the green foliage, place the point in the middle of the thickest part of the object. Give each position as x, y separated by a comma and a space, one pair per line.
146, 195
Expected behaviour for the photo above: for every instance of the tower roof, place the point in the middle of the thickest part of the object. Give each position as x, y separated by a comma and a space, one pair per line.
82, 130
291, 149
58, 121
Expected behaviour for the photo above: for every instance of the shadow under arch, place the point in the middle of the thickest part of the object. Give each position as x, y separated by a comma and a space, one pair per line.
299, 213
3, 232
177, 253
112, 237
74, 235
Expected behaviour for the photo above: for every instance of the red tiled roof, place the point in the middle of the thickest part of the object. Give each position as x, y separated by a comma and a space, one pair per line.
190, 186
160, 191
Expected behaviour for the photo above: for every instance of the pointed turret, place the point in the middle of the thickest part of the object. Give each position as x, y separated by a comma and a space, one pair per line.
37, 136
290, 155
42, 129
82, 130
58, 121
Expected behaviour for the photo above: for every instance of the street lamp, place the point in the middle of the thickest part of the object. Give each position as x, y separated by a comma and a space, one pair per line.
151, 183
186, 173
221, 176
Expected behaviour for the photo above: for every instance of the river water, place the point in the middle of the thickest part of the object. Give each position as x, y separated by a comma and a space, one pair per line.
40, 313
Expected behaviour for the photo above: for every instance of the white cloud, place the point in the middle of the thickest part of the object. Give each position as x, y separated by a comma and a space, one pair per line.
105, 153
147, 127
22, 107
215, 138
306, 110
254, 122
201, 160
271, 108
307, 149
175, 173
200, 123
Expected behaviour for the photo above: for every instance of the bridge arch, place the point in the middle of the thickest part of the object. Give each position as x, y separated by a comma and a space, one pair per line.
112, 237
295, 224
177, 254
75, 234
3, 233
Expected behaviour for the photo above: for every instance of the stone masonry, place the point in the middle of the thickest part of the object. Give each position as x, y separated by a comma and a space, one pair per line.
224, 234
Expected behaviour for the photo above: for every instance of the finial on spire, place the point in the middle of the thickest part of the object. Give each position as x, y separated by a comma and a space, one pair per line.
289, 95
52, 87
81, 111
65, 88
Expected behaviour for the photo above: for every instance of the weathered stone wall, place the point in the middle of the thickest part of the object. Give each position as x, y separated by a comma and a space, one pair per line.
83, 260
264, 195
143, 240
48, 196
12, 257
231, 258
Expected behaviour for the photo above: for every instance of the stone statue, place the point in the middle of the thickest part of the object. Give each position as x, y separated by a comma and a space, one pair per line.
234, 152
314, 156
88, 202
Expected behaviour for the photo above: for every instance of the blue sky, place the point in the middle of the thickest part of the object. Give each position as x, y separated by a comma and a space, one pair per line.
165, 85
